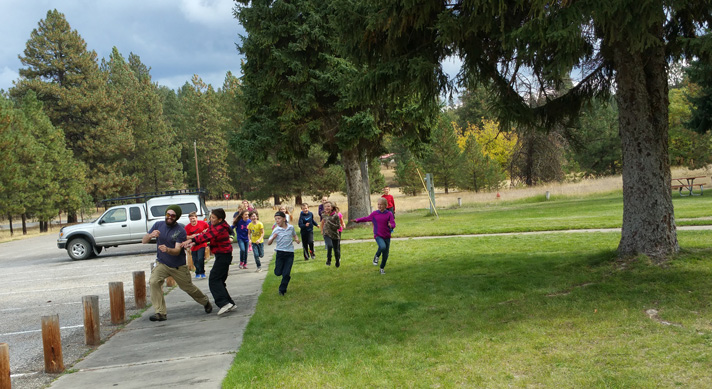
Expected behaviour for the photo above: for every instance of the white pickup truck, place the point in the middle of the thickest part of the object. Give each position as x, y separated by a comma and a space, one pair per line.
128, 223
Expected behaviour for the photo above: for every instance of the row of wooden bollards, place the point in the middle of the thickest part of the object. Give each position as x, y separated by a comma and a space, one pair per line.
52, 340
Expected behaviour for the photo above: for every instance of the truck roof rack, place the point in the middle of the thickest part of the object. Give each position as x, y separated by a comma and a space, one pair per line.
142, 197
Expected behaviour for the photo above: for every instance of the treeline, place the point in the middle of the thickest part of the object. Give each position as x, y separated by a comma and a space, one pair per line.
468, 149
75, 130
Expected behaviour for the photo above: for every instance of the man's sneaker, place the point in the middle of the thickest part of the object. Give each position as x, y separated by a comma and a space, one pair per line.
158, 317
197, 276
208, 307
375, 261
383, 271
202, 275
281, 293
312, 254
259, 269
328, 262
225, 308
233, 308
338, 263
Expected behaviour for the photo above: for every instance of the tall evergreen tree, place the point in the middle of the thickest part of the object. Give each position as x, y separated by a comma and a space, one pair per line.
477, 171
203, 124
66, 79
232, 109
141, 108
443, 156
301, 90
700, 73
12, 184
621, 44
595, 145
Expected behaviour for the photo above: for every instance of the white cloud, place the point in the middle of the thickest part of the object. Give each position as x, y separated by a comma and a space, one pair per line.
208, 12
7, 76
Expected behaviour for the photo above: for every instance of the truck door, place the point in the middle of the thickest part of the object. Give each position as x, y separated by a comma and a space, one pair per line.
112, 227
137, 223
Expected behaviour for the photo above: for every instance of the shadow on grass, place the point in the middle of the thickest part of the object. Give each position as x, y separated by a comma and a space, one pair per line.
510, 306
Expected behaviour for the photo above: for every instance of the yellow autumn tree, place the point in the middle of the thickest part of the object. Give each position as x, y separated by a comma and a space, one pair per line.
495, 144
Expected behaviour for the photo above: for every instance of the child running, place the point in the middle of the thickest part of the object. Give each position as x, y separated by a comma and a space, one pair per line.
192, 229
218, 234
306, 230
239, 225
257, 234
331, 223
283, 233
383, 224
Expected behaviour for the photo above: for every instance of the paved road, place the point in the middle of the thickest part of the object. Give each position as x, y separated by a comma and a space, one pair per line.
39, 279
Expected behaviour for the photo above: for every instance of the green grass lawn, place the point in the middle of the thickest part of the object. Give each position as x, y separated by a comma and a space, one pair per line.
532, 214
552, 310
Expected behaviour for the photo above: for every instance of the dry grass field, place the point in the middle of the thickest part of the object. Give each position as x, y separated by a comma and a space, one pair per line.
442, 200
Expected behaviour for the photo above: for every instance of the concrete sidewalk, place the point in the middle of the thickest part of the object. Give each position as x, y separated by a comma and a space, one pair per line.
190, 349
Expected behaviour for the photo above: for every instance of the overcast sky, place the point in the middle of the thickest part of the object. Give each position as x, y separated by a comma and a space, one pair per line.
175, 38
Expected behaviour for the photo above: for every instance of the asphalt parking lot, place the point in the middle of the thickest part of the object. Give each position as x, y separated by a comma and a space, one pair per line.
39, 279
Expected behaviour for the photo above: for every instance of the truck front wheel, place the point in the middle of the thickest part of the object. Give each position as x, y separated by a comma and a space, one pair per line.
79, 248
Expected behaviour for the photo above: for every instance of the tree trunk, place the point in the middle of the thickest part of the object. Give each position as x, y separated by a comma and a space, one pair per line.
298, 201
359, 205
276, 200
24, 224
529, 168
9, 219
71, 217
642, 95
364, 177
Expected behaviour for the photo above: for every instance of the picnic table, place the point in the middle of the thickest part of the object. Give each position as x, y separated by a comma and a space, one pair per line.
687, 184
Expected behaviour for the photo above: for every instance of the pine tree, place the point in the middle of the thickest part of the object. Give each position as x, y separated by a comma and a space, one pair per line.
66, 79
142, 109
443, 156
616, 44
299, 90
203, 124
477, 171
12, 184
700, 74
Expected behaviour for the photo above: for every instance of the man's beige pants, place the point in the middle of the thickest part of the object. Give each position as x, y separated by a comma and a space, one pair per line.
183, 279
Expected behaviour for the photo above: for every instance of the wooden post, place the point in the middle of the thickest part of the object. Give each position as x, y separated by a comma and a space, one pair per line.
139, 281
92, 335
5, 382
52, 344
116, 299
170, 282
189, 259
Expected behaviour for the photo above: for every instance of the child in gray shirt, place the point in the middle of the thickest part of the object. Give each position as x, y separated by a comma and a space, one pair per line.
283, 234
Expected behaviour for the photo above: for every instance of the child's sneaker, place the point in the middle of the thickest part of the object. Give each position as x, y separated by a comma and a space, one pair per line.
383, 271
259, 269
312, 254
375, 261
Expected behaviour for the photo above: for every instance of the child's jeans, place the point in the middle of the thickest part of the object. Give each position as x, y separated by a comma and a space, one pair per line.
258, 249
